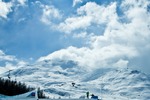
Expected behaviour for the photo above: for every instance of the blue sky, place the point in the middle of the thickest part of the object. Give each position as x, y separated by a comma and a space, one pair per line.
24, 35
32, 29
29, 37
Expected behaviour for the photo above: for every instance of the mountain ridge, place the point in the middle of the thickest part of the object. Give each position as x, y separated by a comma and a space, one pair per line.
57, 81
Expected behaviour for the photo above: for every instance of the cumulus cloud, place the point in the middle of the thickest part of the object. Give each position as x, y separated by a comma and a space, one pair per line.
107, 57
72, 24
11, 6
99, 13
50, 13
87, 15
75, 2
123, 43
5, 9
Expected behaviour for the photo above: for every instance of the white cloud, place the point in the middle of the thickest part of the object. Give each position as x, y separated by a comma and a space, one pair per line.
3, 70
3, 57
122, 43
5, 9
11, 58
75, 2
121, 63
50, 13
22, 2
93, 58
1, 52
21, 63
9, 66
135, 3
80, 35
99, 13
134, 36
10, 61
72, 24
87, 15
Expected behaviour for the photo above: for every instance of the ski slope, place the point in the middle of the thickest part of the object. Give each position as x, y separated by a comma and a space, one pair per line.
109, 84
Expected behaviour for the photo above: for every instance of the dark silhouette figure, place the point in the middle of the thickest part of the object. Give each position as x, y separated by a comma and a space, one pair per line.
87, 95
73, 84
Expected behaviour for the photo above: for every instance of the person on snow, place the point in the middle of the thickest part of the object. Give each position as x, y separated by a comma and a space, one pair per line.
87, 95
94, 97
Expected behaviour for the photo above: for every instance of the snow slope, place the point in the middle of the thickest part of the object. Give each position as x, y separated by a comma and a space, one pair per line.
56, 79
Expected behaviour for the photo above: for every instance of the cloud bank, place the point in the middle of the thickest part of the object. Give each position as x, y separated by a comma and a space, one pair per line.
115, 35
87, 15
124, 43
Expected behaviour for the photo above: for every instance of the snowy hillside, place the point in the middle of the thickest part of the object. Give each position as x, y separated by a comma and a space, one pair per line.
56, 80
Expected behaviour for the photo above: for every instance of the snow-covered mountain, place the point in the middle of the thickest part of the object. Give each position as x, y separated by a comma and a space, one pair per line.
56, 79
